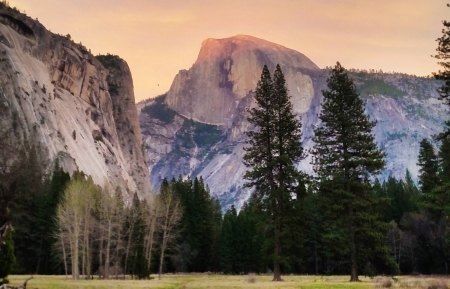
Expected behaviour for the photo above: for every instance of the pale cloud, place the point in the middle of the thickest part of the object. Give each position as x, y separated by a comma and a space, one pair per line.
159, 37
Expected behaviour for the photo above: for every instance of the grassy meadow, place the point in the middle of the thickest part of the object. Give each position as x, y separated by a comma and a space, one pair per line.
203, 281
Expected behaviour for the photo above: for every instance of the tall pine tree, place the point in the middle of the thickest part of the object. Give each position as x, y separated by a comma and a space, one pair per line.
272, 152
443, 55
345, 158
429, 166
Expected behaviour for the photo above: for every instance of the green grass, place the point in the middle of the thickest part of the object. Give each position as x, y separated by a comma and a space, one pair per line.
197, 281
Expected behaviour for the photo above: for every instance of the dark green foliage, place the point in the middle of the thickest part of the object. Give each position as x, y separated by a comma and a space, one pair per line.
200, 225
138, 265
313, 233
206, 134
403, 198
34, 208
375, 86
7, 258
428, 163
345, 157
241, 242
160, 111
109, 61
443, 55
272, 152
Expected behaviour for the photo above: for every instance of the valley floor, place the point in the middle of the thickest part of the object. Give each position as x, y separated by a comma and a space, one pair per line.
203, 281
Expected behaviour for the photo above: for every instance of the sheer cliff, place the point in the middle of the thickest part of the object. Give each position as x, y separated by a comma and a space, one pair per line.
198, 127
82, 110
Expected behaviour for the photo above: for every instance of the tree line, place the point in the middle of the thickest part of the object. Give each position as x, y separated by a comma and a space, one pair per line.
340, 220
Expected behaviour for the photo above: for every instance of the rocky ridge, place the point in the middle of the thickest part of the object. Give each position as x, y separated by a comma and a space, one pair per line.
198, 127
58, 94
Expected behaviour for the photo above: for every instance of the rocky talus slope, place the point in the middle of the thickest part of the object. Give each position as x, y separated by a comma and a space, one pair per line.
198, 127
81, 109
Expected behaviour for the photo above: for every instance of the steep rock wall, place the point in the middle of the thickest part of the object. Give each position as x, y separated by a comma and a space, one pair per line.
57, 94
227, 69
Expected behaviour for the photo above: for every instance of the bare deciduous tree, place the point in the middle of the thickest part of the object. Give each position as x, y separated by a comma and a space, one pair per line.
74, 222
171, 215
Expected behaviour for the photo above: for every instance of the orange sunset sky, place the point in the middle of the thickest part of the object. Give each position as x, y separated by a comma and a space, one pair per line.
159, 37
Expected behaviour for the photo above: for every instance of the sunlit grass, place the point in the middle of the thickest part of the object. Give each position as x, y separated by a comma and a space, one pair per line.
199, 281
203, 281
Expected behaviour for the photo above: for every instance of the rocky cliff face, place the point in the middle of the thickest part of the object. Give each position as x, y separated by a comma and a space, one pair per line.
227, 69
218, 90
58, 94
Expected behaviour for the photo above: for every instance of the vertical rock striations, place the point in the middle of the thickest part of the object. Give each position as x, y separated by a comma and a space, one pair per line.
225, 72
57, 94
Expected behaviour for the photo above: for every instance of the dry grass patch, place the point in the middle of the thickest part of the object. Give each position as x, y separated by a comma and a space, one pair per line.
382, 282
199, 281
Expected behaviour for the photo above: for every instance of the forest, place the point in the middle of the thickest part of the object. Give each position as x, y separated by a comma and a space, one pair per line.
340, 220
66, 224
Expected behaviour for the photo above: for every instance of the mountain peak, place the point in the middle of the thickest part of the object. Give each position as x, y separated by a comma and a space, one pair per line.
213, 48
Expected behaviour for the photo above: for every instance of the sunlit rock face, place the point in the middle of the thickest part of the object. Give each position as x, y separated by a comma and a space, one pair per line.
58, 94
218, 90
227, 69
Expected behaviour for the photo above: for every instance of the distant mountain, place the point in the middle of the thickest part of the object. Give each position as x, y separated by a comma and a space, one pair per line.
198, 127
81, 108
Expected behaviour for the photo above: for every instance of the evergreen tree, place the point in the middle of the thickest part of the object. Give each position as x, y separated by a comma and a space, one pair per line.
429, 167
444, 153
313, 232
272, 152
345, 158
443, 55
228, 250
139, 264
7, 258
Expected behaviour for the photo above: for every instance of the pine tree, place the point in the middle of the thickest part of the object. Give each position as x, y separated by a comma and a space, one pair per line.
272, 152
345, 158
7, 258
227, 245
434, 175
443, 55
429, 166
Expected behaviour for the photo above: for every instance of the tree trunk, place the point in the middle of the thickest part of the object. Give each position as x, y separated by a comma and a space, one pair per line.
354, 272
108, 245
315, 257
277, 251
127, 251
75, 268
64, 255
161, 258
100, 257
